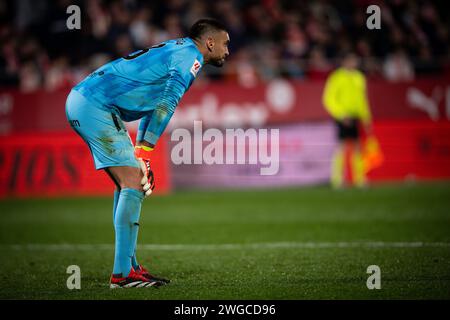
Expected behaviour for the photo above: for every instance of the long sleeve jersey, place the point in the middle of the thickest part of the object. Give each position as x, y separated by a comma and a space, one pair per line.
147, 84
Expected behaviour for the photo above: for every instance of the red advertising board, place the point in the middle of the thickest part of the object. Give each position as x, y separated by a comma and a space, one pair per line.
41, 155
230, 105
49, 164
413, 149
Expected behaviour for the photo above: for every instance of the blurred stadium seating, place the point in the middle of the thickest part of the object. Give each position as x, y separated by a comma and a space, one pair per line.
281, 53
294, 39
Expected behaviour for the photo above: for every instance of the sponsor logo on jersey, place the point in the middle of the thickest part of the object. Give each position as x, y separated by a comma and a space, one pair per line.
195, 67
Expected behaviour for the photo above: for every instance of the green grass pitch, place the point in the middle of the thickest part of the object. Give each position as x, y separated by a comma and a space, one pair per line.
294, 243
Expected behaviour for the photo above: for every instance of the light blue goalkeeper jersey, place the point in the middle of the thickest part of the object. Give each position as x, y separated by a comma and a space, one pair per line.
146, 84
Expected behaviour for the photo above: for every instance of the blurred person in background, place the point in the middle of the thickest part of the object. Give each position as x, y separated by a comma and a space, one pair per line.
318, 65
345, 99
397, 67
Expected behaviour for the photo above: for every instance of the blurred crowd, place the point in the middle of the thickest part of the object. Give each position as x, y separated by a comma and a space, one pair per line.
269, 38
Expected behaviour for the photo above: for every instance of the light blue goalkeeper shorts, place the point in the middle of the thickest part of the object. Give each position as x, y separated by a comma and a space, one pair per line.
103, 131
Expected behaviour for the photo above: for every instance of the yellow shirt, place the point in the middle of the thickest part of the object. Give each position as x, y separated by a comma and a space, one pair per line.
345, 95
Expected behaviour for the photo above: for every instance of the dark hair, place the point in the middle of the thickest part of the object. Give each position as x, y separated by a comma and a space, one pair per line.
203, 26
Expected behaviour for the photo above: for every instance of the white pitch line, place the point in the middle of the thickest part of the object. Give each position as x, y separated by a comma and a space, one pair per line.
202, 247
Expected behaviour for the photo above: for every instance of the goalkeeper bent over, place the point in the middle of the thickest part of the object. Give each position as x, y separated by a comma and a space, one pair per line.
146, 85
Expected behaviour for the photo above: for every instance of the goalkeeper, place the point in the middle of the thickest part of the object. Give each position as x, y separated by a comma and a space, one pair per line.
345, 99
147, 85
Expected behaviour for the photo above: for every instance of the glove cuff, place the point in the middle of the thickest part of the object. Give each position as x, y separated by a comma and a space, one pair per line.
142, 152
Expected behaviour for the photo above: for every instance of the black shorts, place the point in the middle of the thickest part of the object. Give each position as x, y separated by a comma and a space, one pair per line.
348, 131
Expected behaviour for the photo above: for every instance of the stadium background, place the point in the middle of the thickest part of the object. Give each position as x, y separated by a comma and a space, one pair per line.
280, 55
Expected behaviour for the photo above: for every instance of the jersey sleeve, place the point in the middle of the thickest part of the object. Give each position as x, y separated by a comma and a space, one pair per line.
143, 124
181, 73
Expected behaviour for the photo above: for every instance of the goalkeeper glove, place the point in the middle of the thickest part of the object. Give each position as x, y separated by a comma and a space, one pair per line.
142, 153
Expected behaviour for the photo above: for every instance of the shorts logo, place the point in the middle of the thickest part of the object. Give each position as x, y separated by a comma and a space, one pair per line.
195, 67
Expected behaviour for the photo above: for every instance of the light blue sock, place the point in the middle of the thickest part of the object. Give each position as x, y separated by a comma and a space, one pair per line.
116, 200
134, 261
126, 217
134, 236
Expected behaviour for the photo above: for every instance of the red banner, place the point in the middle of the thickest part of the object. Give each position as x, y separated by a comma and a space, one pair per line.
231, 105
61, 164
41, 155
413, 150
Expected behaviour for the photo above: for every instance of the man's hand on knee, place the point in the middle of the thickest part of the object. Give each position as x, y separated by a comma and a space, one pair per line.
142, 153
148, 179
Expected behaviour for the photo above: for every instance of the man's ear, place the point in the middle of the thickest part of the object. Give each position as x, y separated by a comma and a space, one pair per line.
209, 44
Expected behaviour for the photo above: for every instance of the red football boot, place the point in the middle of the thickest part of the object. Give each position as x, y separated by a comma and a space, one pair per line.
133, 280
143, 272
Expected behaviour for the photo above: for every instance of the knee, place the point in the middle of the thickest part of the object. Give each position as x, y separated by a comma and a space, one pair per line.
131, 184
126, 177
131, 181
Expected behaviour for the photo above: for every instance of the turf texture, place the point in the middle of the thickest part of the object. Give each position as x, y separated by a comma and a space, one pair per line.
294, 243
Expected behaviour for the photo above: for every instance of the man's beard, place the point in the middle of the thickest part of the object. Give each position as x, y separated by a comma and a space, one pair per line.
217, 63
